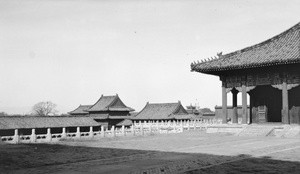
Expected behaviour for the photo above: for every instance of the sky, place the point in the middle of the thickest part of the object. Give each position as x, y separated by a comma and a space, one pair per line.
71, 52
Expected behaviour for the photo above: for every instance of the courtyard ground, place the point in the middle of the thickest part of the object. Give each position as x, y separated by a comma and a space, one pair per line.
188, 152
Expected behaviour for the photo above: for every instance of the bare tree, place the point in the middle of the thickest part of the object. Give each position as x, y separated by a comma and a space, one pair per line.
3, 114
44, 108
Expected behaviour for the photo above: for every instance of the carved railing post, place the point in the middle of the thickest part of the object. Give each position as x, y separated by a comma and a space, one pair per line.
91, 133
63, 134
16, 138
33, 136
78, 132
102, 131
49, 135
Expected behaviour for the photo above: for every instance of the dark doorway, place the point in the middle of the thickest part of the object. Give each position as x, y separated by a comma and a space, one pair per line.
271, 98
294, 105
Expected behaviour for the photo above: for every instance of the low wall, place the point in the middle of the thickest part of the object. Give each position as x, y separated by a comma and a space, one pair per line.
140, 128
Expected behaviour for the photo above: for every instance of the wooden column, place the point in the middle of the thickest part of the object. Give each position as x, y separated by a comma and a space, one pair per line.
224, 105
250, 109
285, 104
234, 106
244, 105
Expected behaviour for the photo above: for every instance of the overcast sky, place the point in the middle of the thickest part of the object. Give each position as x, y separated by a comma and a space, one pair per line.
72, 51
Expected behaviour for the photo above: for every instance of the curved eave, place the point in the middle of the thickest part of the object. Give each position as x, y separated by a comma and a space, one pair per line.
215, 70
120, 109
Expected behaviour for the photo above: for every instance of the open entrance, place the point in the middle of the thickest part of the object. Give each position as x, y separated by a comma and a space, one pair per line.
266, 104
294, 105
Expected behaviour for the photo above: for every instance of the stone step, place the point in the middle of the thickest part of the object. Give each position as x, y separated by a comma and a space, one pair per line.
253, 130
292, 132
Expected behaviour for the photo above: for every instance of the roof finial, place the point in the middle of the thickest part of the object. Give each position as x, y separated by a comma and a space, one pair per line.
219, 54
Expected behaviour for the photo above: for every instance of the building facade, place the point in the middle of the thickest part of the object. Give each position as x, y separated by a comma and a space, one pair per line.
268, 72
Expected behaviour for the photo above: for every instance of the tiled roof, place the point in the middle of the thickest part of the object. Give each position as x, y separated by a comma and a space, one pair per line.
119, 117
99, 116
18, 122
281, 49
109, 103
183, 116
160, 111
125, 122
81, 110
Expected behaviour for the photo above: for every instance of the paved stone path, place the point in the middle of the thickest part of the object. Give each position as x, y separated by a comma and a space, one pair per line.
185, 166
175, 153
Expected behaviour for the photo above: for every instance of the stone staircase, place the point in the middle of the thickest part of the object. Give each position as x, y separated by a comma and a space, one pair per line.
293, 131
256, 130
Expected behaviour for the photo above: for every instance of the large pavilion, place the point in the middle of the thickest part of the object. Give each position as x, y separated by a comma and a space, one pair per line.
108, 110
269, 72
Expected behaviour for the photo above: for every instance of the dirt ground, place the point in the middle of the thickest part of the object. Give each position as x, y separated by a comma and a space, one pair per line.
188, 152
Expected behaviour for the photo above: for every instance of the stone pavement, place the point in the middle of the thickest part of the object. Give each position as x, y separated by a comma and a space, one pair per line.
176, 153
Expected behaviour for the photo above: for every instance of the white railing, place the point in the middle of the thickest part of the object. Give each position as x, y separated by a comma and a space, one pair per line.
138, 128
7, 138
70, 135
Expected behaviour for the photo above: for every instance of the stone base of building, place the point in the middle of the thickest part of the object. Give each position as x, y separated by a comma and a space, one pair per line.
262, 130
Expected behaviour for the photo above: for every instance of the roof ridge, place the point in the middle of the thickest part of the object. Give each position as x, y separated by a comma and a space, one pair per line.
89, 106
142, 110
178, 108
114, 100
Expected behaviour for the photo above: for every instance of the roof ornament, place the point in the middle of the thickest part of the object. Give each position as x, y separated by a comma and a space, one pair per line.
202, 61
219, 54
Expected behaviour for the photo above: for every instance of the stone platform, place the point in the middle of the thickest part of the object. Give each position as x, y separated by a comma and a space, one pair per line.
268, 129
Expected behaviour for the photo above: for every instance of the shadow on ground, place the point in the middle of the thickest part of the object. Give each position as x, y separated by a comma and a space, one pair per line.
23, 157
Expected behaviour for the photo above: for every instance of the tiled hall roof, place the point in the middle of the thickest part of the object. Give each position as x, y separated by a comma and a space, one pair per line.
81, 110
161, 111
109, 103
281, 49
27, 122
